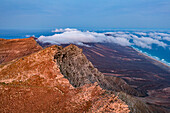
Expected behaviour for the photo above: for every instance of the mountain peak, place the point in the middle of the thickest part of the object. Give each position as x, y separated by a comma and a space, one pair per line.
80, 71
34, 83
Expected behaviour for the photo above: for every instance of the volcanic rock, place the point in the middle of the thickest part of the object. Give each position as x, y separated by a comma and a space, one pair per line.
34, 83
11, 49
79, 71
62, 80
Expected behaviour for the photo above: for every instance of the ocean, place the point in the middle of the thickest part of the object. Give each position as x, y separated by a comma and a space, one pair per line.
154, 43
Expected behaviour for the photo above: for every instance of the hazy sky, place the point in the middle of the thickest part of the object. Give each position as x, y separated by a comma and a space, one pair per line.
30, 14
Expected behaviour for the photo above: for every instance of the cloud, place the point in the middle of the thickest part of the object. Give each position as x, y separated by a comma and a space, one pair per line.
120, 34
64, 30
160, 36
149, 41
121, 41
141, 33
166, 38
58, 30
74, 36
29, 35
141, 44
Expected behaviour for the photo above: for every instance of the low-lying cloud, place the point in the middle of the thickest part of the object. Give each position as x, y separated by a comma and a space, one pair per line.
63, 30
78, 37
74, 36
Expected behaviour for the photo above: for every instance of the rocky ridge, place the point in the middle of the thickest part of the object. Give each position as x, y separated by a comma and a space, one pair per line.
34, 83
11, 49
79, 71
50, 81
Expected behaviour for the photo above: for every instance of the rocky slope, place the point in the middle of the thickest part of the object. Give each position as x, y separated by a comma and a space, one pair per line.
34, 83
16, 48
79, 71
59, 79
139, 71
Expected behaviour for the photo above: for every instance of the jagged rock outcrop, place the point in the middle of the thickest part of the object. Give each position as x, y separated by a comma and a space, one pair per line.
79, 71
34, 83
11, 49
136, 105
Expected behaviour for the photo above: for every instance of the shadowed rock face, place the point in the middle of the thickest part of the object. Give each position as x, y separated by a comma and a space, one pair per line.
137, 106
79, 71
138, 70
11, 49
34, 83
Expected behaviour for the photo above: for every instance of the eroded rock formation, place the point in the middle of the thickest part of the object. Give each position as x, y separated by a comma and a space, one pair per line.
79, 70
59, 79
34, 83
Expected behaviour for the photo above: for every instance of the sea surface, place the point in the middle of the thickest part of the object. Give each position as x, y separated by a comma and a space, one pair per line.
154, 43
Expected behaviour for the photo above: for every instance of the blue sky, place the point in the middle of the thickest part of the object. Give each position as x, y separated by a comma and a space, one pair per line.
32, 14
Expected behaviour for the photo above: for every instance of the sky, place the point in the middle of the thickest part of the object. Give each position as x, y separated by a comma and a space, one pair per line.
97, 14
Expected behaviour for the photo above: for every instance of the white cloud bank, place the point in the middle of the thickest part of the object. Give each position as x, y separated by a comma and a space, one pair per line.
74, 36
63, 30
29, 36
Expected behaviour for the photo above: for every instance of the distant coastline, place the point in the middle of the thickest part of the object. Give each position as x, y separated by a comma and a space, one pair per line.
20, 34
155, 61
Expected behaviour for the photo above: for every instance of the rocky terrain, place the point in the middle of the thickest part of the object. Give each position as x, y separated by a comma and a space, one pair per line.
57, 79
16, 48
138, 70
79, 71
124, 65
34, 83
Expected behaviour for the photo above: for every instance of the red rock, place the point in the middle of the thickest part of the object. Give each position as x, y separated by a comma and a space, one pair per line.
34, 83
11, 49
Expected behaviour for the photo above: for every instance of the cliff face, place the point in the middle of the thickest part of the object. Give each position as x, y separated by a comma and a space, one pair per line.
16, 48
34, 83
139, 71
79, 71
147, 76
74, 65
